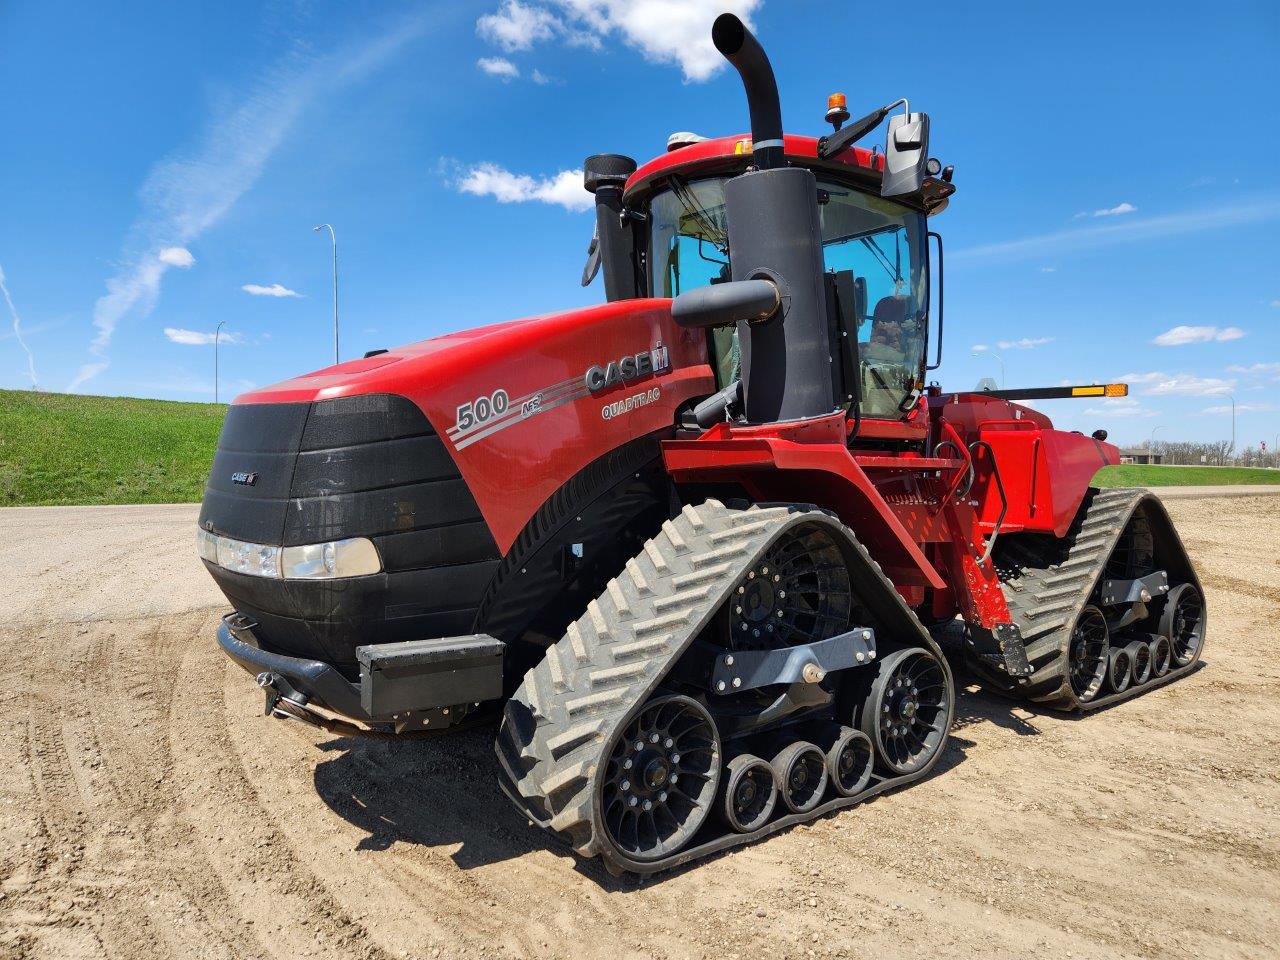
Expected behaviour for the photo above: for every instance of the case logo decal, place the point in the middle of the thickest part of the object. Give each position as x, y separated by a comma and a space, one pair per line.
630, 367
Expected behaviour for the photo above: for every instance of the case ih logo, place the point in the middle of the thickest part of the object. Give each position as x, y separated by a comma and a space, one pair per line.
628, 368
244, 479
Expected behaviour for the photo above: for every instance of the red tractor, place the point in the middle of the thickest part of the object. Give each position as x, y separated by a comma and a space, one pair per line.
686, 548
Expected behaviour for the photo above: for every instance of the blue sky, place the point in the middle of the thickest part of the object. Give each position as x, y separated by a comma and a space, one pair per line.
1117, 210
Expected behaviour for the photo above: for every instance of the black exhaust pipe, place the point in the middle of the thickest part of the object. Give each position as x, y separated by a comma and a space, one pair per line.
774, 235
740, 48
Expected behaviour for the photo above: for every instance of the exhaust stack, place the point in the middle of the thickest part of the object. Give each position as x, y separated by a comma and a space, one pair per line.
774, 235
604, 176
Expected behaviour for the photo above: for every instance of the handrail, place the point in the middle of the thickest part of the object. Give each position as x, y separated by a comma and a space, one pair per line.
1004, 500
958, 443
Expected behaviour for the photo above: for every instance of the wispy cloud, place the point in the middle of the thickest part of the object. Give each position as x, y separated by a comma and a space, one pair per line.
275, 290
198, 338
1268, 369
1258, 210
1118, 210
1120, 407
1240, 408
1182, 335
1158, 383
1026, 343
490, 180
190, 191
17, 329
499, 67
664, 31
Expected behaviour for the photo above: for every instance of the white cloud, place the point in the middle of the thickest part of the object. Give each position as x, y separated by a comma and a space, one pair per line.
188, 192
1120, 407
979, 347
196, 338
17, 330
179, 257
275, 290
1257, 370
1118, 210
1276, 303
517, 26
1026, 343
1240, 408
1188, 385
499, 67
1182, 335
1048, 269
541, 79
490, 180
1259, 209
664, 31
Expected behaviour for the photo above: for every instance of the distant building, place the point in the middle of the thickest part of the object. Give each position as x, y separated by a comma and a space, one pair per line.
1140, 456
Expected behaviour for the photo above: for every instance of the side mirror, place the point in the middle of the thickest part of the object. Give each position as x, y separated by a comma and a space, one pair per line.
906, 151
725, 303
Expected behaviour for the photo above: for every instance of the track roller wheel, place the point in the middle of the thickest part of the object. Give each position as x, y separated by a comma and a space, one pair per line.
1089, 654
907, 711
849, 762
1139, 661
661, 779
1119, 670
1161, 655
801, 771
750, 793
1183, 622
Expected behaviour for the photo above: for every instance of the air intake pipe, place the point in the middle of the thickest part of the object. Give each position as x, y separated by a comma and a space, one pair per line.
604, 175
774, 235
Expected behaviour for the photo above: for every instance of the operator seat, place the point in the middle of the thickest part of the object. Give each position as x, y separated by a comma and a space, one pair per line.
888, 329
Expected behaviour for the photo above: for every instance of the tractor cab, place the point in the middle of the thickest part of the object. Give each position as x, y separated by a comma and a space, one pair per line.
877, 270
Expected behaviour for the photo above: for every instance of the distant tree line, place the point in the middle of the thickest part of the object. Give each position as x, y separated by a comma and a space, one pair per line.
1214, 453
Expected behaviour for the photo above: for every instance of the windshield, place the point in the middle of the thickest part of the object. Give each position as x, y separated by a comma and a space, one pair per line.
879, 243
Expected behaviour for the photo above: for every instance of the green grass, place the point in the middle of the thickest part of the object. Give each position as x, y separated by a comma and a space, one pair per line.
1142, 475
58, 448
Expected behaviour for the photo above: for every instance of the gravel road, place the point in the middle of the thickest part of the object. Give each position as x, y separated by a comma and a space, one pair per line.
148, 809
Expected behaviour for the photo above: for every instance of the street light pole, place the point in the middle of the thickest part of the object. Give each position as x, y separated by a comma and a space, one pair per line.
334, 237
999, 358
1151, 443
1233, 425
217, 334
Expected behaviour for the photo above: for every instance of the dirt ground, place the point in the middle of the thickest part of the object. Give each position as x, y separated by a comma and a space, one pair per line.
148, 809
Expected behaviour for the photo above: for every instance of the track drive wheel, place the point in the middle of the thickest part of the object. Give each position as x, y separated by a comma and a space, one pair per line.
907, 711
1183, 622
661, 779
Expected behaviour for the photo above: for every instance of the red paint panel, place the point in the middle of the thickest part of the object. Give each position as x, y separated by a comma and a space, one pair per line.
516, 460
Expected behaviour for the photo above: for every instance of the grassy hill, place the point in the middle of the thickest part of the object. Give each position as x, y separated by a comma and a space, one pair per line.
1141, 475
60, 448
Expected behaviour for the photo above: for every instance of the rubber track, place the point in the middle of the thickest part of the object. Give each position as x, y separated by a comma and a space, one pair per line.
569, 708
1045, 601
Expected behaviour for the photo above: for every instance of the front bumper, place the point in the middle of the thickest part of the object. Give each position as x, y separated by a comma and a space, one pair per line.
417, 685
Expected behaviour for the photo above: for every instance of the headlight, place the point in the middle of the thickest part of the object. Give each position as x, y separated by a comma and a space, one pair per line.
352, 557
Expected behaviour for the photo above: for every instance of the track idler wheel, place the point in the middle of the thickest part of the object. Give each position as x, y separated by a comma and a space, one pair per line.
1119, 670
849, 762
1088, 657
1161, 655
907, 711
661, 779
1183, 622
801, 772
1139, 661
750, 793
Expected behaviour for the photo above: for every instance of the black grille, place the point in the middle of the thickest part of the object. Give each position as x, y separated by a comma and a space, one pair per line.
365, 466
